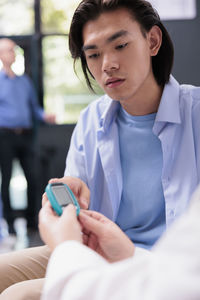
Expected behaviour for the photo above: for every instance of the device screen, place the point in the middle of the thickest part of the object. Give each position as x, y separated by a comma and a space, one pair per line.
62, 195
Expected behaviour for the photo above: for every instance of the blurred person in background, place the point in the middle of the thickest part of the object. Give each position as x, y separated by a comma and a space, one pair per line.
19, 109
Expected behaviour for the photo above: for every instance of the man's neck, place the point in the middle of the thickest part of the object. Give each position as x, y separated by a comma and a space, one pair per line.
9, 72
146, 101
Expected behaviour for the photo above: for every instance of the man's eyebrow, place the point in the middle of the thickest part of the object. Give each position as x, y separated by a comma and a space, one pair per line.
117, 35
88, 47
113, 37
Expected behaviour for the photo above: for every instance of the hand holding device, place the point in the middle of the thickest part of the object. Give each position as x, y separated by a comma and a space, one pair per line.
105, 237
60, 195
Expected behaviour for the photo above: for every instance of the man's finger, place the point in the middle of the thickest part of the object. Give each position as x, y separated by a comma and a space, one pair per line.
46, 213
52, 180
96, 215
93, 242
44, 199
80, 189
69, 211
91, 224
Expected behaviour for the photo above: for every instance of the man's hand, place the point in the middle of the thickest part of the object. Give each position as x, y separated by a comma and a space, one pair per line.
54, 230
50, 118
105, 237
78, 187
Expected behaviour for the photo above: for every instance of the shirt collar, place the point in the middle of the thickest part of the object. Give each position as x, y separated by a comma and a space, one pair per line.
169, 108
109, 113
168, 111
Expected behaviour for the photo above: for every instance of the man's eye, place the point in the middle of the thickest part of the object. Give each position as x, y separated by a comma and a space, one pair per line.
94, 55
121, 46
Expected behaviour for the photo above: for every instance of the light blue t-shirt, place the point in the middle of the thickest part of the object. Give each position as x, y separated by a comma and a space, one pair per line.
142, 209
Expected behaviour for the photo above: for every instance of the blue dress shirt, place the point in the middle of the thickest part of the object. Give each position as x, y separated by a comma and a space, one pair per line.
94, 154
18, 102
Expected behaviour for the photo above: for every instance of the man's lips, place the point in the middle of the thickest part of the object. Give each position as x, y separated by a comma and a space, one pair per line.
113, 82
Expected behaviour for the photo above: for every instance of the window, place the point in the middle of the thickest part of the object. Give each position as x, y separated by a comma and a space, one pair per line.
16, 17
64, 93
41, 28
56, 15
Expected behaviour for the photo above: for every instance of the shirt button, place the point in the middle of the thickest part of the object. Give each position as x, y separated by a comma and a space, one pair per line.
171, 213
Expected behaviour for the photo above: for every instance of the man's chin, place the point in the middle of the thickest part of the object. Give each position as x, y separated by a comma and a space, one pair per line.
116, 97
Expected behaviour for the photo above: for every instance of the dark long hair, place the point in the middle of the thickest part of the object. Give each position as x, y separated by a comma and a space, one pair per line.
143, 12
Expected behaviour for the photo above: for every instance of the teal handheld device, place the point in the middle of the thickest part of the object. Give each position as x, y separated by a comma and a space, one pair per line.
60, 195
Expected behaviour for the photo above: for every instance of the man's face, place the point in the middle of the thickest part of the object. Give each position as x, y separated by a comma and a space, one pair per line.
118, 55
7, 52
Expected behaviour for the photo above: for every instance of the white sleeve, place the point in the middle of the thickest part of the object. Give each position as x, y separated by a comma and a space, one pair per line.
170, 271
76, 272
175, 271
71, 266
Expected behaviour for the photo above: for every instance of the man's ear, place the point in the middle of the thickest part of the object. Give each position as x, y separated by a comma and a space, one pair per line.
155, 40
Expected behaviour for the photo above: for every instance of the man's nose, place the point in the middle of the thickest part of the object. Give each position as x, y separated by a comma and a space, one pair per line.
110, 63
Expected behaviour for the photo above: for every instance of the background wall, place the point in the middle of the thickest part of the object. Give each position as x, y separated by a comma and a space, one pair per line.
186, 37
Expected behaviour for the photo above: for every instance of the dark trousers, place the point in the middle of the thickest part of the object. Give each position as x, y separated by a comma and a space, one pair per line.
18, 145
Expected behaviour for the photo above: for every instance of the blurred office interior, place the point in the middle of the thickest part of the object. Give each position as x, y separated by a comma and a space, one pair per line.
40, 29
